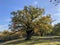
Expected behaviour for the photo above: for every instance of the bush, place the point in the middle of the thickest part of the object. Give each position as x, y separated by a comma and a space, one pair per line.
14, 36
8, 36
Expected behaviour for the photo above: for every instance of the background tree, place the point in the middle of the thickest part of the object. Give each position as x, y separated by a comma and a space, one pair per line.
28, 19
44, 25
56, 29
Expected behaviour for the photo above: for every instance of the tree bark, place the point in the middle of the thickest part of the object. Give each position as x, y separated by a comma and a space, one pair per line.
29, 34
41, 34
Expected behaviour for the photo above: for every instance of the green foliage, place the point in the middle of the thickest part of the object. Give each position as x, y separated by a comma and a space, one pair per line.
56, 29
44, 25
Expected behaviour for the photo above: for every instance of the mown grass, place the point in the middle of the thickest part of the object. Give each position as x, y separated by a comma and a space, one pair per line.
37, 41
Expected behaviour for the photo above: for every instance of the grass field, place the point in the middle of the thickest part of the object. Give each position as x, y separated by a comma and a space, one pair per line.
37, 41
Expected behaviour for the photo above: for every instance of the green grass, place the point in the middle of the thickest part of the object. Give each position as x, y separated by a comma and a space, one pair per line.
37, 41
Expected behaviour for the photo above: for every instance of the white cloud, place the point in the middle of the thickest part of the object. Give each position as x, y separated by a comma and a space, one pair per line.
57, 11
56, 17
58, 8
3, 27
35, 2
7, 20
55, 22
57, 14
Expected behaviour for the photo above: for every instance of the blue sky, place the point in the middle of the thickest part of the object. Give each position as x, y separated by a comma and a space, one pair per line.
7, 6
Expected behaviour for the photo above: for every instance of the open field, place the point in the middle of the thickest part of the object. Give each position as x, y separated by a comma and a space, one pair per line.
53, 40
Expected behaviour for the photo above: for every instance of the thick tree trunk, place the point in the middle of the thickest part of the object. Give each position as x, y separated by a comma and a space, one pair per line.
41, 34
29, 34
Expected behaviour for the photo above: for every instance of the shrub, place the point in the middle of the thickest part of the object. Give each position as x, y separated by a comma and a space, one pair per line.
8, 36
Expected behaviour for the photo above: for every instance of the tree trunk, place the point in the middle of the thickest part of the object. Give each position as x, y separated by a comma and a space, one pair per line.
41, 34
29, 34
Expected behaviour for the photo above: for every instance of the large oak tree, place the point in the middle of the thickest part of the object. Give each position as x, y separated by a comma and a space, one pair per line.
30, 18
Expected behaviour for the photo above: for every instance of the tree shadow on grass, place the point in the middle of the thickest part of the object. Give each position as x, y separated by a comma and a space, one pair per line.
21, 41
34, 41
29, 42
45, 40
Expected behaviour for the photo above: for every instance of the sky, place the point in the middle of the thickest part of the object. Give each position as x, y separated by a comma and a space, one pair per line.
7, 6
